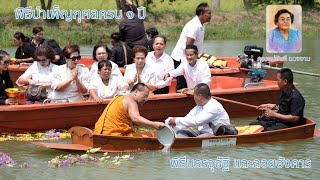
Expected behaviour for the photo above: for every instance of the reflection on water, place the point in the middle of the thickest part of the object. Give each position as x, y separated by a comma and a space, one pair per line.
156, 165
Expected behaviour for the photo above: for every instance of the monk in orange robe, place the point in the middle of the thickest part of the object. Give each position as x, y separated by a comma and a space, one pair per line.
122, 113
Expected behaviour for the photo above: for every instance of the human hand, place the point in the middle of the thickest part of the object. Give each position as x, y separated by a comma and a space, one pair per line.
98, 100
11, 101
129, 2
270, 113
158, 125
166, 76
18, 61
172, 121
268, 106
74, 73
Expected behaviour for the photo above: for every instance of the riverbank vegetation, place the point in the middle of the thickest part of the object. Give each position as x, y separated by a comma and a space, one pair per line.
232, 21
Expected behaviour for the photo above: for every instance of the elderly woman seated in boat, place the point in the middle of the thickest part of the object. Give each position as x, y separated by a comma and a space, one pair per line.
25, 50
70, 81
102, 52
40, 72
5, 81
139, 71
104, 84
208, 115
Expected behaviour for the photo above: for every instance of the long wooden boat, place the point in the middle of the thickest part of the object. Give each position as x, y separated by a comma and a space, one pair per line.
40, 117
84, 138
231, 69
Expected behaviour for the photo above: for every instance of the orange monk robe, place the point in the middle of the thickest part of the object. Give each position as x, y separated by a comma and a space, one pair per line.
114, 120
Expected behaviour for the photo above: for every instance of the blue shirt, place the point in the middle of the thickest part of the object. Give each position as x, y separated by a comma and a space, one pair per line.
278, 44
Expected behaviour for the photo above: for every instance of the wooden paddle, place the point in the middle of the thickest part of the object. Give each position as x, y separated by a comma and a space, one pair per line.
190, 92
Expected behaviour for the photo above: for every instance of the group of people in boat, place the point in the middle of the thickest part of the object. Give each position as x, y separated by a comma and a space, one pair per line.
60, 71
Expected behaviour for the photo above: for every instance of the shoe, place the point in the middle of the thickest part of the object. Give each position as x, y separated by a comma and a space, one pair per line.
218, 129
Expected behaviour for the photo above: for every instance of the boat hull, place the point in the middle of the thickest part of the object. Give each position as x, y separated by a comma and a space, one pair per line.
41, 117
84, 138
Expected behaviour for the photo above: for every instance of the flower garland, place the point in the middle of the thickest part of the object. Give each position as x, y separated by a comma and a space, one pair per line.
50, 135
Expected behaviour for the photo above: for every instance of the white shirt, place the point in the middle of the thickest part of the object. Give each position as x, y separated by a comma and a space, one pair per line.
193, 29
39, 74
200, 116
161, 66
116, 83
147, 74
61, 74
199, 73
115, 68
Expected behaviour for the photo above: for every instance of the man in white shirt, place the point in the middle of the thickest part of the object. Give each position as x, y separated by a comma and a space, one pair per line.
208, 112
192, 33
194, 70
161, 62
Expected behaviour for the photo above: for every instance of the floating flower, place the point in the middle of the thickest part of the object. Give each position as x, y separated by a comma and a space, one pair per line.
69, 160
5, 160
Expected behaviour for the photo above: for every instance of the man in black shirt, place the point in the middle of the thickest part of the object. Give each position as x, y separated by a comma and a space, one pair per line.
289, 112
132, 30
121, 54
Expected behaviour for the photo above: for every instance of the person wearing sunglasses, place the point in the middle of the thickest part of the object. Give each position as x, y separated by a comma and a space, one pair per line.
102, 53
70, 81
40, 72
5, 81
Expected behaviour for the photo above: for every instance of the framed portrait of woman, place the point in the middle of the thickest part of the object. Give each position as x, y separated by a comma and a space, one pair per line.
283, 26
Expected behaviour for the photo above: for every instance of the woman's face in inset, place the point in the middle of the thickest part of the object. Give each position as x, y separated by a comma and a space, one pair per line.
101, 54
284, 21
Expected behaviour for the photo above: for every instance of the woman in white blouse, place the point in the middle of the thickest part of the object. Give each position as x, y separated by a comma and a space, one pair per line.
70, 81
139, 71
102, 52
104, 84
40, 72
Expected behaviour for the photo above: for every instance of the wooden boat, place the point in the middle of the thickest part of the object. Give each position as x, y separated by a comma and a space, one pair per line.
40, 117
16, 71
84, 138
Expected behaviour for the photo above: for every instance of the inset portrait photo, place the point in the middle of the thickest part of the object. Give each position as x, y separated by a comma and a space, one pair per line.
284, 28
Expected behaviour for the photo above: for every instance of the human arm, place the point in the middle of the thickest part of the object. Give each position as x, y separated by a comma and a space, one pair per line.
83, 80
59, 84
134, 115
130, 75
189, 41
198, 119
268, 106
282, 117
295, 114
176, 72
206, 74
94, 96
167, 82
